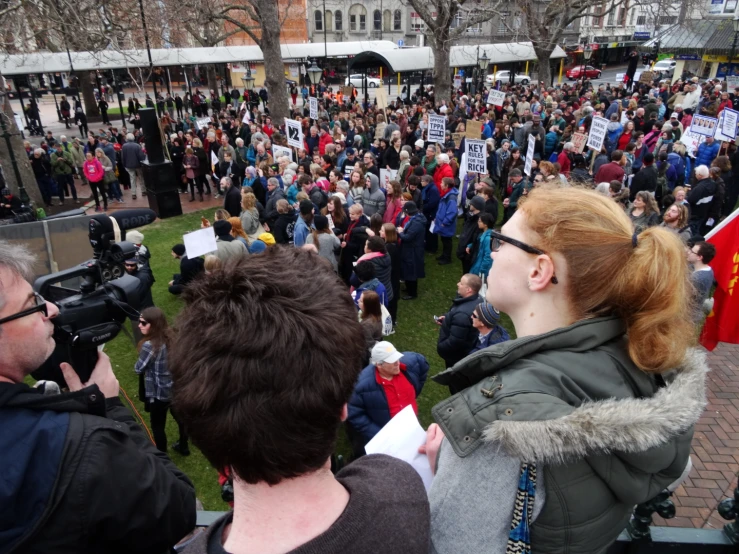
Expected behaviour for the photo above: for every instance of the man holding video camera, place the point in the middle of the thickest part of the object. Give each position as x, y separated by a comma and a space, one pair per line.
79, 474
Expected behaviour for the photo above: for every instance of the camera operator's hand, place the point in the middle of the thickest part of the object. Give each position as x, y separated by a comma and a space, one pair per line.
434, 436
102, 376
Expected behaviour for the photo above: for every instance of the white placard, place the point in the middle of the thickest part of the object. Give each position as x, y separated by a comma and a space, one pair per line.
496, 97
437, 128
278, 151
294, 133
381, 98
620, 77
313, 107
703, 125
202, 241
727, 126
476, 151
247, 117
387, 175
732, 81
598, 130
401, 438
691, 141
202, 123
530, 155
213, 160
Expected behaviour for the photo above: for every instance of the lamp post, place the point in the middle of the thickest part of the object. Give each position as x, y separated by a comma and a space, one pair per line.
6, 134
483, 64
314, 75
248, 81
587, 52
733, 46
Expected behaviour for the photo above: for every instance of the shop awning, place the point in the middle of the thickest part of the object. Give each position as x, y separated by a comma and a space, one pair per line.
705, 36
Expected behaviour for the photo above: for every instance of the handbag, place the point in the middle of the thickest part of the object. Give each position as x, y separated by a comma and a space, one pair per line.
387, 321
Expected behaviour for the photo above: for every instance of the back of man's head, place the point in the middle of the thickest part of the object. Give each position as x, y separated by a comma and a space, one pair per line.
365, 271
268, 407
706, 251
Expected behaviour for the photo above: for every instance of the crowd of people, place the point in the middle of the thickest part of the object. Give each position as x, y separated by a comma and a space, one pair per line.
597, 257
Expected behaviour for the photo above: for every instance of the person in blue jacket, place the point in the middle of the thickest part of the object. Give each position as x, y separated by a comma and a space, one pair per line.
707, 152
412, 262
486, 319
429, 204
391, 382
480, 250
445, 223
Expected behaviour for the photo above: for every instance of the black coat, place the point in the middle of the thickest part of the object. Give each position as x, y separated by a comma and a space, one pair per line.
412, 261
232, 200
457, 336
393, 250
283, 228
469, 234
189, 269
79, 440
646, 179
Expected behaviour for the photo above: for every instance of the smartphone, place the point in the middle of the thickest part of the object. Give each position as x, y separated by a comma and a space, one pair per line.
436, 318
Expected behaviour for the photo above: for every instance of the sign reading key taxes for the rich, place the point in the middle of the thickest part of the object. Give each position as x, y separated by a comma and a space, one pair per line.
437, 128
294, 133
598, 130
313, 107
476, 151
496, 97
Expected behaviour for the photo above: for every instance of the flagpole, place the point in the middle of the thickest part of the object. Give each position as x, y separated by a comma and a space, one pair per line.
721, 225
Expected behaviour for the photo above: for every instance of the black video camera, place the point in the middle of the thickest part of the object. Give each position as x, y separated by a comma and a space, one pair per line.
93, 314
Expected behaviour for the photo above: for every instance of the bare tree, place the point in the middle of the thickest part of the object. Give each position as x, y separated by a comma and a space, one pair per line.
446, 21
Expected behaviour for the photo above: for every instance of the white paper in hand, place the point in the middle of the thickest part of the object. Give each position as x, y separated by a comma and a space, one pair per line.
401, 438
202, 241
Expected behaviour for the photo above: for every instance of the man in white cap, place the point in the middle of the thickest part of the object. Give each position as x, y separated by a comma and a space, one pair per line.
391, 382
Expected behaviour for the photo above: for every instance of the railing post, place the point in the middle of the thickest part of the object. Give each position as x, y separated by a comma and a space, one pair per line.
729, 509
638, 527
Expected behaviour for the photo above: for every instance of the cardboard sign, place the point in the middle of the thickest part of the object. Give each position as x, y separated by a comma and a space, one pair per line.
381, 97
313, 107
496, 97
703, 125
294, 133
579, 140
476, 151
278, 151
473, 130
530, 155
646, 77
457, 138
597, 136
437, 128
347, 91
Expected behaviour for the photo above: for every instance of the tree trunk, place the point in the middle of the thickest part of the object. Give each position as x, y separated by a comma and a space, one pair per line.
88, 94
24, 167
274, 67
545, 69
210, 70
440, 46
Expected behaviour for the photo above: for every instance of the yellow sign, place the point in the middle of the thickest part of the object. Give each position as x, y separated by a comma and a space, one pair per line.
719, 59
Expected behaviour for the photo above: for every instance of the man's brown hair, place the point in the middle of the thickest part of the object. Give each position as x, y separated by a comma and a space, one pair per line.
262, 389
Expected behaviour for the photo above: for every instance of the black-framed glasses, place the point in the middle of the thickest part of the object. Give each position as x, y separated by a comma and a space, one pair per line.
39, 306
143, 322
498, 239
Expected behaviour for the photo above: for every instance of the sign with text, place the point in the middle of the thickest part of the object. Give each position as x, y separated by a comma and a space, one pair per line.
496, 97
347, 91
476, 151
729, 119
202, 123
579, 140
703, 125
646, 77
437, 128
294, 133
278, 151
691, 141
313, 107
732, 81
597, 136
473, 130
530, 155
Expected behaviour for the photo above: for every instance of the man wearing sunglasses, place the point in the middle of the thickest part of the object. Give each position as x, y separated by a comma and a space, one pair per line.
79, 474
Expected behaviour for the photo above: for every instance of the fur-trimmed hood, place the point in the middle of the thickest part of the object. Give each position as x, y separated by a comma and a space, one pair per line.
629, 425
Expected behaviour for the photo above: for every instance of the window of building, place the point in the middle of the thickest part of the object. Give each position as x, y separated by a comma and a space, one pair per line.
397, 21
338, 21
641, 20
667, 20
329, 20
502, 23
418, 25
377, 20
633, 17
611, 18
357, 18
517, 22
318, 18
458, 21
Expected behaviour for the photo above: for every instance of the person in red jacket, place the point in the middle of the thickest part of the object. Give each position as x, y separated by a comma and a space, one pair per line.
565, 158
443, 169
324, 139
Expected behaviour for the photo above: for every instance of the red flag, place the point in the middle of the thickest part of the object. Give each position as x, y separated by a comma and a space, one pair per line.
722, 324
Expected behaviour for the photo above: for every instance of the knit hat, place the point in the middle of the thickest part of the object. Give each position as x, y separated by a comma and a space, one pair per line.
135, 237
478, 202
321, 222
419, 143
179, 249
410, 208
488, 314
267, 239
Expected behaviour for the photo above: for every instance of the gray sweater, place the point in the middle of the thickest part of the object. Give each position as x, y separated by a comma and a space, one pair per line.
327, 244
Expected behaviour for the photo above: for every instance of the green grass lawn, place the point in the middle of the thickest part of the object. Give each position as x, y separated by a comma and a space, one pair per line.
416, 332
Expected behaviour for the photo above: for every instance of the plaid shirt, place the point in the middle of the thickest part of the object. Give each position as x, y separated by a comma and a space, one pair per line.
157, 379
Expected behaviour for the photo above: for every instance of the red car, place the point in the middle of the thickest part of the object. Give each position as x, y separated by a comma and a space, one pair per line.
577, 72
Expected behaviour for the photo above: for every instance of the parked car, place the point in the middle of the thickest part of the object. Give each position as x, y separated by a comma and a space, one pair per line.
665, 67
357, 78
505, 77
577, 72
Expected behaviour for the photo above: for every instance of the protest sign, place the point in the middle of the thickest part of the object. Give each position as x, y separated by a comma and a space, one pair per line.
496, 97
703, 125
476, 151
457, 82
202, 123
473, 130
381, 98
530, 155
247, 118
646, 77
457, 138
437, 128
691, 141
202, 241
732, 81
213, 161
579, 140
294, 133
278, 151
313, 107
729, 119
347, 91
597, 135
387, 175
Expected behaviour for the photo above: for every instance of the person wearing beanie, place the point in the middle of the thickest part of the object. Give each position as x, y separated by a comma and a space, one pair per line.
325, 241
189, 269
373, 199
142, 252
228, 247
486, 320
